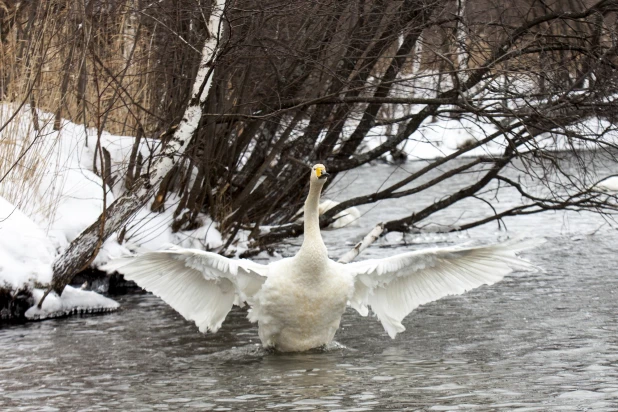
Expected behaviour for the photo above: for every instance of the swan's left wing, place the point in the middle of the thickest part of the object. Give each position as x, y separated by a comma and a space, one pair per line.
397, 285
201, 286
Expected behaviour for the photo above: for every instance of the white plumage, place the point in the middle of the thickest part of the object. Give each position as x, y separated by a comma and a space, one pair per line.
397, 285
201, 286
346, 217
607, 185
298, 301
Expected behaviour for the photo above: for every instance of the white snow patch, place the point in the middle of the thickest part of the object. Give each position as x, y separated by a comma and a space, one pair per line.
151, 230
71, 301
70, 196
26, 253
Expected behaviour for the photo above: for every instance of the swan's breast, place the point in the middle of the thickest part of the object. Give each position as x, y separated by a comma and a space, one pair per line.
296, 308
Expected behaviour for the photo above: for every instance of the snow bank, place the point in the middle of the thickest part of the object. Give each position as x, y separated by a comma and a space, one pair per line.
151, 231
26, 253
65, 196
70, 196
443, 137
26, 258
608, 185
54, 193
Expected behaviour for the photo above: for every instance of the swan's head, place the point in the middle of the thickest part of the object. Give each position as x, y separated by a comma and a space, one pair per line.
318, 173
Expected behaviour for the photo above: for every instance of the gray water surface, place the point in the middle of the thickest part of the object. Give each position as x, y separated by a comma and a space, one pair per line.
535, 341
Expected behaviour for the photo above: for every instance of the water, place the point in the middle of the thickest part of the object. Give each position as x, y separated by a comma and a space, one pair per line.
536, 341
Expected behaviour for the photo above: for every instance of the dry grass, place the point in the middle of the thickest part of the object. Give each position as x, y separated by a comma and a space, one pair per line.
112, 67
108, 69
29, 159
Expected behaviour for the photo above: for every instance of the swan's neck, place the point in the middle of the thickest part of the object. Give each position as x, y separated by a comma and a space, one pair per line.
313, 246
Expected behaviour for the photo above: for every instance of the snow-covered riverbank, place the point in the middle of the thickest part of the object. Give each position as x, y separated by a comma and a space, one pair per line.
53, 193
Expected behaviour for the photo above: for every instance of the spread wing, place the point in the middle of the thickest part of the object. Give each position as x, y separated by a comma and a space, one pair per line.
397, 285
201, 286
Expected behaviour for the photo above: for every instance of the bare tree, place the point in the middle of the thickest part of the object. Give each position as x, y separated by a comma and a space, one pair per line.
324, 101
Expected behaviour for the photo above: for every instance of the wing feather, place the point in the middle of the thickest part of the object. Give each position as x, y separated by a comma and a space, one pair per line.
397, 285
201, 286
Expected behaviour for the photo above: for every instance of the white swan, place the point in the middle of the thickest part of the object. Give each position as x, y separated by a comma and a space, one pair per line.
607, 185
346, 217
298, 301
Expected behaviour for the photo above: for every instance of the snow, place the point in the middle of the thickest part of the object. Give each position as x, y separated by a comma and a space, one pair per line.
444, 135
42, 212
72, 301
26, 253
151, 231
70, 196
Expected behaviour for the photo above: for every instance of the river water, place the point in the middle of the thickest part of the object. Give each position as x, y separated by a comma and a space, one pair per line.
544, 341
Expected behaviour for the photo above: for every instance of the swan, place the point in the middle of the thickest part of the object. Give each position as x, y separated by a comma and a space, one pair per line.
607, 185
347, 217
344, 218
298, 302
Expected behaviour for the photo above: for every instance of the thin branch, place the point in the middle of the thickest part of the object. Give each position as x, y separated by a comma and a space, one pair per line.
371, 237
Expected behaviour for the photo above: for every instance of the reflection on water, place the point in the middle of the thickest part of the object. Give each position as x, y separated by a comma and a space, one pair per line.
536, 341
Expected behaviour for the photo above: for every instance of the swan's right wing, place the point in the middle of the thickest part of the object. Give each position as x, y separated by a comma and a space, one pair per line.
397, 285
201, 286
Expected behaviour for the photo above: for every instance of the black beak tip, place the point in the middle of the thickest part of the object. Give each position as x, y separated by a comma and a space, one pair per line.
323, 176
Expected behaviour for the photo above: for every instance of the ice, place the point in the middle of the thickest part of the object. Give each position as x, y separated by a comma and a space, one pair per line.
70, 302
